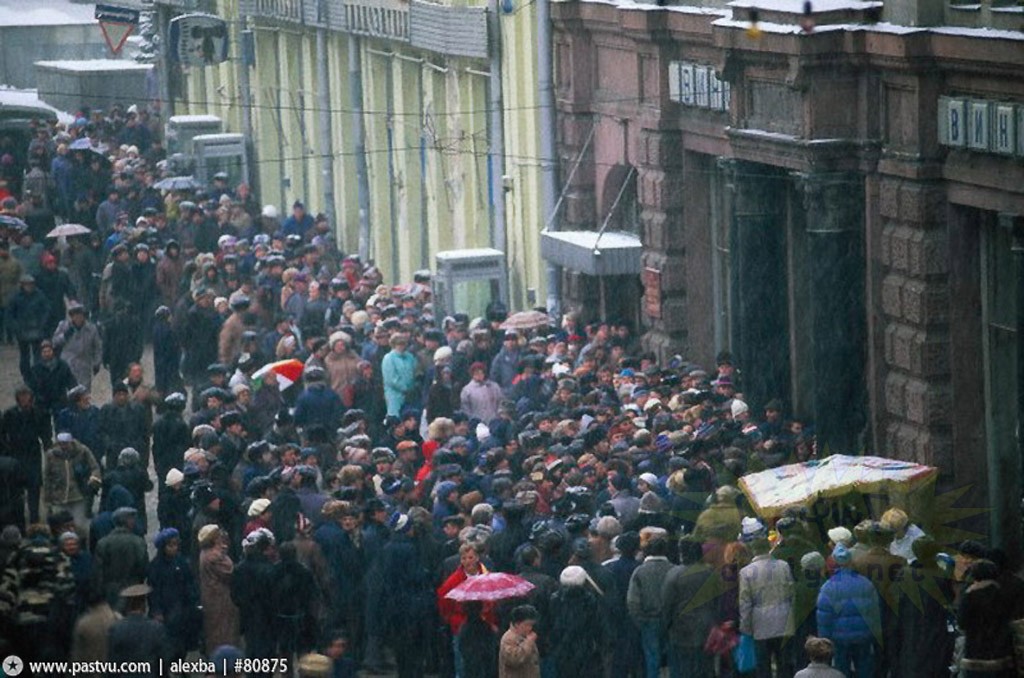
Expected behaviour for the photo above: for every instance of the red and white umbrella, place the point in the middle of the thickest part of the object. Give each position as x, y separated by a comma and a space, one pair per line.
489, 587
288, 372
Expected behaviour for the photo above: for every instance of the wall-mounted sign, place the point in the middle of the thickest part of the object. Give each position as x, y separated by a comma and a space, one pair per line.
982, 126
116, 23
697, 85
198, 39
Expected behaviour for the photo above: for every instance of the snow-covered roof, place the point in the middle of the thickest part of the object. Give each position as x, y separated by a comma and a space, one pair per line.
193, 119
29, 98
95, 65
797, 6
594, 239
45, 13
455, 255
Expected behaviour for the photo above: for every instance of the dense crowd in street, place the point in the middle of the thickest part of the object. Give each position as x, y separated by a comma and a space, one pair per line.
331, 459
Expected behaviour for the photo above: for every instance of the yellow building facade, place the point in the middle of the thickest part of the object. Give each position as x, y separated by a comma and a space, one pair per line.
425, 77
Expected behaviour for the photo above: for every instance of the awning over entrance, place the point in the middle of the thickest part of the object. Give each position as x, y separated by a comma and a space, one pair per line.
592, 252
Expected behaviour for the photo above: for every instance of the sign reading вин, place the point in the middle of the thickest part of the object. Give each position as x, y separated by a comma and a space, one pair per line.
979, 125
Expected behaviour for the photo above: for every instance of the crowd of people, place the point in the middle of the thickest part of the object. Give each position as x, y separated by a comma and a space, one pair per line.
329, 514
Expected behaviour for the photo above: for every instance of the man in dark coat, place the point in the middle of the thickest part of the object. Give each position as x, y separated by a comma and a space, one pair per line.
166, 353
406, 598
81, 418
51, 379
200, 342
250, 591
689, 609
171, 437
295, 598
136, 637
340, 541
25, 433
122, 424
27, 313
121, 558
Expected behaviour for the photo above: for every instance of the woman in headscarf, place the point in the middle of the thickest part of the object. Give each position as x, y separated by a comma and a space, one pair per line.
174, 599
216, 571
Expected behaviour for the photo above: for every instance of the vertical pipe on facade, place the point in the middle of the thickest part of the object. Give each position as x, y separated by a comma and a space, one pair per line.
396, 261
1012, 485
323, 94
300, 114
163, 19
282, 167
355, 83
424, 218
548, 158
497, 145
245, 86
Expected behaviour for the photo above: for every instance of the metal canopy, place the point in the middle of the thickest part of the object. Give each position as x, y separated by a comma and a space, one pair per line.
592, 252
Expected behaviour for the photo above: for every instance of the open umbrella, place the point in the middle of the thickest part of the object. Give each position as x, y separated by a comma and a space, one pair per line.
490, 586
8, 221
288, 372
85, 144
526, 320
68, 230
177, 184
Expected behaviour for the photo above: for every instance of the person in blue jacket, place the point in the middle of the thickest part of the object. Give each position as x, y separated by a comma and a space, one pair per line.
849, 615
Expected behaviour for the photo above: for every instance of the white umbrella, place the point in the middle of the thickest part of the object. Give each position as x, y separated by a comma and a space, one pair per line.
66, 230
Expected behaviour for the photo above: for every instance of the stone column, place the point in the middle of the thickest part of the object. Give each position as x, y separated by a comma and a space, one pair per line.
758, 283
833, 252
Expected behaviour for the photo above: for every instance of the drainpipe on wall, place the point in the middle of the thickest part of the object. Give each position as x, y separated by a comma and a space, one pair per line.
497, 124
548, 157
355, 80
323, 94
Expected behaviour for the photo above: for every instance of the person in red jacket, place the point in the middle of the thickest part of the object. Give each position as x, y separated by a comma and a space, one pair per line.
452, 611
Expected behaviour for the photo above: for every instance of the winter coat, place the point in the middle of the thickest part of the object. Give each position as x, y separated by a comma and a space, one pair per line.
166, 357
644, 596
81, 348
518, 657
481, 400
720, 521
51, 381
26, 432
318, 405
171, 437
82, 424
848, 608
229, 343
766, 598
66, 472
200, 342
55, 285
405, 598
89, 639
342, 372
984, 617
478, 643
295, 599
136, 638
689, 608
251, 591
347, 568
398, 370
28, 314
121, 561
36, 584
220, 615
122, 426
926, 598
175, 598
579, 631
10, 275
